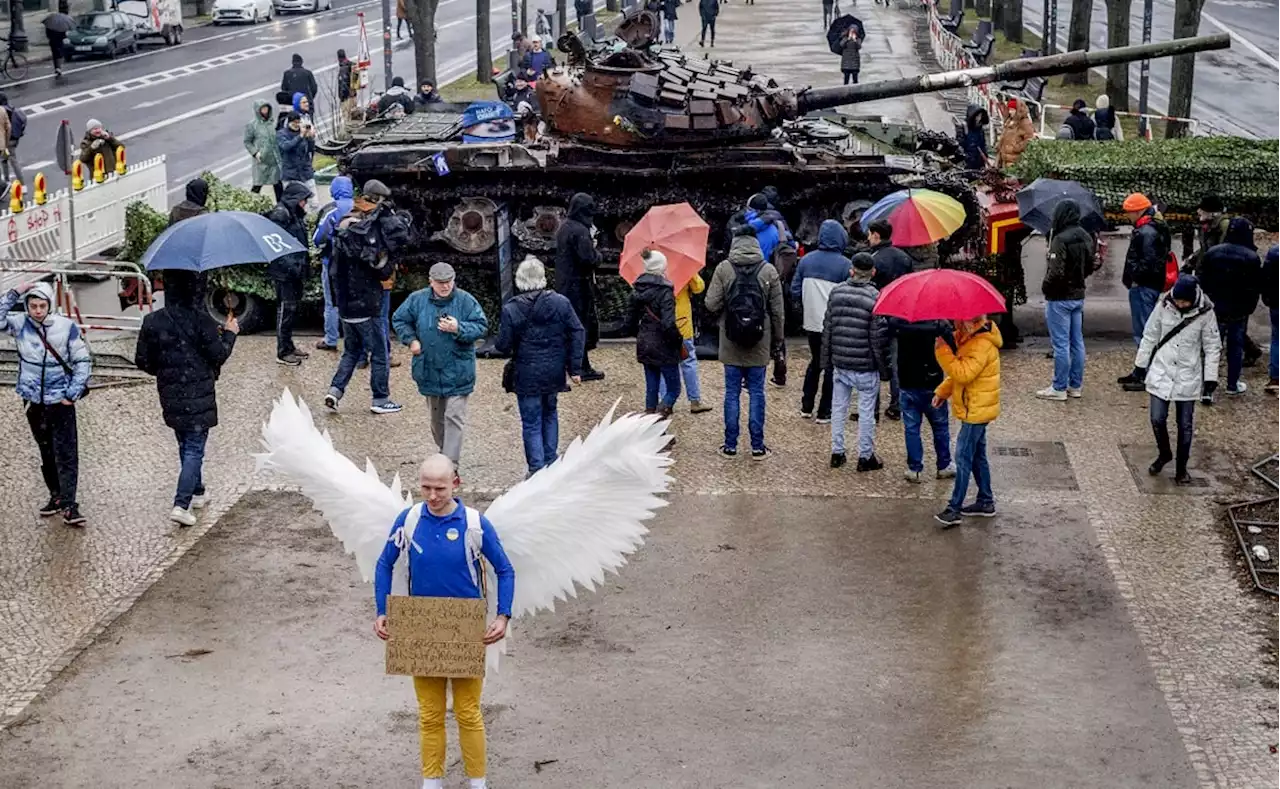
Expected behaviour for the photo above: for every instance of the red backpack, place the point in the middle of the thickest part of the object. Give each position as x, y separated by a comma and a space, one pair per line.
1171, 267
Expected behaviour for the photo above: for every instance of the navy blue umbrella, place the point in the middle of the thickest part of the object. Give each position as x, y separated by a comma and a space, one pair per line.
1037, 201
217, 239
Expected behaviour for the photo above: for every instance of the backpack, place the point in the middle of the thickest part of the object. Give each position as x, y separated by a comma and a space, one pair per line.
744, 312
17, 123
359, 241
785, 258
1171, 267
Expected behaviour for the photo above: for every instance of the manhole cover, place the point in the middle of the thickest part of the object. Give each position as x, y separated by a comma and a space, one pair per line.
1204, 459
1032, 465
1015, 452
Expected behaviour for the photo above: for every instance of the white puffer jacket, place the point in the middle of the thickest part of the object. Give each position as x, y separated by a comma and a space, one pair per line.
1187, 360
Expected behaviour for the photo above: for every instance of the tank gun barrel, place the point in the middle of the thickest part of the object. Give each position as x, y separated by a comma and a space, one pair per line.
1008, 71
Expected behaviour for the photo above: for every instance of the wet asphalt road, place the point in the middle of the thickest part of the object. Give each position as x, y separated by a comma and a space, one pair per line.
1236, 90
191, 102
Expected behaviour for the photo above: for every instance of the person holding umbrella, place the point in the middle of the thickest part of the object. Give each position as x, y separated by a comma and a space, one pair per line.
652, 316
56, 27
1072, 258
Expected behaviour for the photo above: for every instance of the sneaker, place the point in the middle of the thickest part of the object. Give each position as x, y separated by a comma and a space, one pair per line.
912, 476
698, 407
321, 345
806, 415
761, 454
838, 459
385, 407
182, 517
978, 510
870, 463
593, 375
949, 518
1241, 388
1127, 379
301, 354
51, 508
894, 413
947, 473
331, 402
728, 452
395, 363
290, 360
72, 517
1182, 478
1049, 393
199, 501
1077, 393
1158, 464
822, 420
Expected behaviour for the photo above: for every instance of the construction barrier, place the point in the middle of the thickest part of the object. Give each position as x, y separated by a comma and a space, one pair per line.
952, 56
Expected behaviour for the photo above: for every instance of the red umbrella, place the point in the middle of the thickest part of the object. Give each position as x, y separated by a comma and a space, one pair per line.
939, 294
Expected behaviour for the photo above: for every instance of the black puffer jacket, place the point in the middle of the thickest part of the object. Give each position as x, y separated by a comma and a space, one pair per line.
852, 337
544, 337
357, 285
575, 262
181, 346
1231, 273
1271, 277
1149, 246
917, 366
653, 318
292, 219
1071, 255
891, 263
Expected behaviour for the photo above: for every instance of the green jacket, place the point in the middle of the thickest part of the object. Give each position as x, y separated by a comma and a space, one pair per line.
447, 365
260, 142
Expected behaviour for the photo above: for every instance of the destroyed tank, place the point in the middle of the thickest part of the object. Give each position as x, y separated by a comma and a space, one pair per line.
635, 124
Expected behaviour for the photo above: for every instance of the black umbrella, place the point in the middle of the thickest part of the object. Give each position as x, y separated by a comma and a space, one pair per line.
1037, 201
838, 30
59, 23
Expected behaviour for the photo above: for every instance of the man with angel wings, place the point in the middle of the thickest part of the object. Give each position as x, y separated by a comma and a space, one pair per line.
567, 525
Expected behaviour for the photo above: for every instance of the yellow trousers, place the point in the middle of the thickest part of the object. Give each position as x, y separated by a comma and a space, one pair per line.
466, 711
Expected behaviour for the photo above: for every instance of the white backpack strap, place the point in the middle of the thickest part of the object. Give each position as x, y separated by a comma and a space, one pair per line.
403, 536
475, 539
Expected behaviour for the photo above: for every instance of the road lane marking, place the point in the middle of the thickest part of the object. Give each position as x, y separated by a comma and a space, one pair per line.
157, 102
1242, 41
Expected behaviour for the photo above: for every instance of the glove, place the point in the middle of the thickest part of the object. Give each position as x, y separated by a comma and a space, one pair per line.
1209, 388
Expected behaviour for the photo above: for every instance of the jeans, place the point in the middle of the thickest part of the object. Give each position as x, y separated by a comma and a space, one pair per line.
1232, 333
971, 459
330, 308
1066, 333
1142, 302
708, 24
666, 374
448, 420
191, 455
286, 313
540, 427
54, 429
851, 77
1185, 414
689, 372
386, 319
867, 386
669, 30
917, 405
733, 378
1273, 366
812, 374
466, 713
363, 338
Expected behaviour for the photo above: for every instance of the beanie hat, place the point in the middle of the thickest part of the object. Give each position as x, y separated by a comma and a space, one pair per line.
397, 82
758, 202
1136, 202
1211, 204
1103, 102
654, 262
93, 125
1185, 288
1078, 104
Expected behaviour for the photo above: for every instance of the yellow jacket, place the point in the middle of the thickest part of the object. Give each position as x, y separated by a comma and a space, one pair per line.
684, 310
972, 381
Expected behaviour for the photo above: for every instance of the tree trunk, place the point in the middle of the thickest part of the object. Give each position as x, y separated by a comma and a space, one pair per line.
423, 15
611, 5
1013, 20
1078, 38
983, 7
998, 14
484, 44
1186, 17
1118, 36
562, 20
970, 4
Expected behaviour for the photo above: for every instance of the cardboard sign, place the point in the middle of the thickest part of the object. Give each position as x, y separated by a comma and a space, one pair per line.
435, 636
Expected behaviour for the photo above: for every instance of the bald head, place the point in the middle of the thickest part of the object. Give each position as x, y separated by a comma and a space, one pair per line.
436, 467
436, 478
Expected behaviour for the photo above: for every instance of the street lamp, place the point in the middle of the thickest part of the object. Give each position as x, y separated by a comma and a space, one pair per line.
17, 34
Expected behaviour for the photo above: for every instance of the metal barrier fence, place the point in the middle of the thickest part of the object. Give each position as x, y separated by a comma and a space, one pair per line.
64, 296
952, 56
1197, 128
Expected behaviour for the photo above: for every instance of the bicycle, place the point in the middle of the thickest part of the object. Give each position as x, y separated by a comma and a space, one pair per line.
13, 64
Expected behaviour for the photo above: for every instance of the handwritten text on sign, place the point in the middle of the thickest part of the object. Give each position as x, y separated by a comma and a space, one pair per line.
435, 636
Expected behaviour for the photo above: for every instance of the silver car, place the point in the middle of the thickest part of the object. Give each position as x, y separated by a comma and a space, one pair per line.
311, 6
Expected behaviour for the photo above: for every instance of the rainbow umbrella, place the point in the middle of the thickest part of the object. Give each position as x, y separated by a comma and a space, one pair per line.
918, 216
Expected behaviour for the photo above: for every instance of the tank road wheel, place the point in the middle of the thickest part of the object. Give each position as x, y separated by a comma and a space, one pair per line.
621, 229
538, 232
249, 309
472, 227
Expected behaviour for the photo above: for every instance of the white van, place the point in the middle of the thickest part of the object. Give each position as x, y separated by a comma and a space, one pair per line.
155, 19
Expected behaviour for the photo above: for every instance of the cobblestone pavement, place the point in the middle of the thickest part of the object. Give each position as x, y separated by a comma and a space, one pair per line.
1209, 639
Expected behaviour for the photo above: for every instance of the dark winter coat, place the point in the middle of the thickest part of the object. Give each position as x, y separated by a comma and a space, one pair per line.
422, 100
397, 94
106, 145
575, 263
744, 255
1071, 255
582, 7
853, 338
974, 141
917, 366
544, 338
851, 54
1104, 123
1208, 235
819, 272
182, 347
669, 9
344, 80
296, 153
537, 62
292, 219
1231, 273
1144, 263
447, 365
299, 80
197, 195
652, 315
891, 263
357, 285
708, 9
1081, 125
1270, 277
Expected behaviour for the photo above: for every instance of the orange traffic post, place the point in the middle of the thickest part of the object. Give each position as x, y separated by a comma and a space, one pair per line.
120, 165
15, 199
42, 193
99, 168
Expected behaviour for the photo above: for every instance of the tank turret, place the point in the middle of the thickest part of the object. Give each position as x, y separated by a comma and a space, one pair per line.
630, 93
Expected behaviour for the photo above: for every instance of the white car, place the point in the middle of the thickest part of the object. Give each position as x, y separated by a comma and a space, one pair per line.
312, 6
242, 11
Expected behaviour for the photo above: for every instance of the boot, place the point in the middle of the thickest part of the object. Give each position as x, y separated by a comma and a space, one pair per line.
698, 407
664, 411
1181, 476
1163, 452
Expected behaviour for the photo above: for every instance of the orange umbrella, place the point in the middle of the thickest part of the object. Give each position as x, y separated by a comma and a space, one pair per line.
674, 230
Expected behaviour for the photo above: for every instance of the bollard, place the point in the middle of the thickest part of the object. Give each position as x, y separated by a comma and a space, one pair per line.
15, 199
42, 194
77, 175
120, 165
99, 168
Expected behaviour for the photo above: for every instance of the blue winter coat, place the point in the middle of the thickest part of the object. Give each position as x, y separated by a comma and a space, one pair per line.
545, 339
41, 379
766, 231
819, 272
343, 194
296, 153
447, 365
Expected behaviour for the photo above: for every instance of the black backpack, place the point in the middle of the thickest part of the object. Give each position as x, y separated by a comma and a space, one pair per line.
744, 311
359, 242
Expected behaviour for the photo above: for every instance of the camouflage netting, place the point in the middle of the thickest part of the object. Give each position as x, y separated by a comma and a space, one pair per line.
1175, 174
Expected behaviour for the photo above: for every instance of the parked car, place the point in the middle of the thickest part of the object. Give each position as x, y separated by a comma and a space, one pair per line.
102, 33
312, 6
251, 11
154, 19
